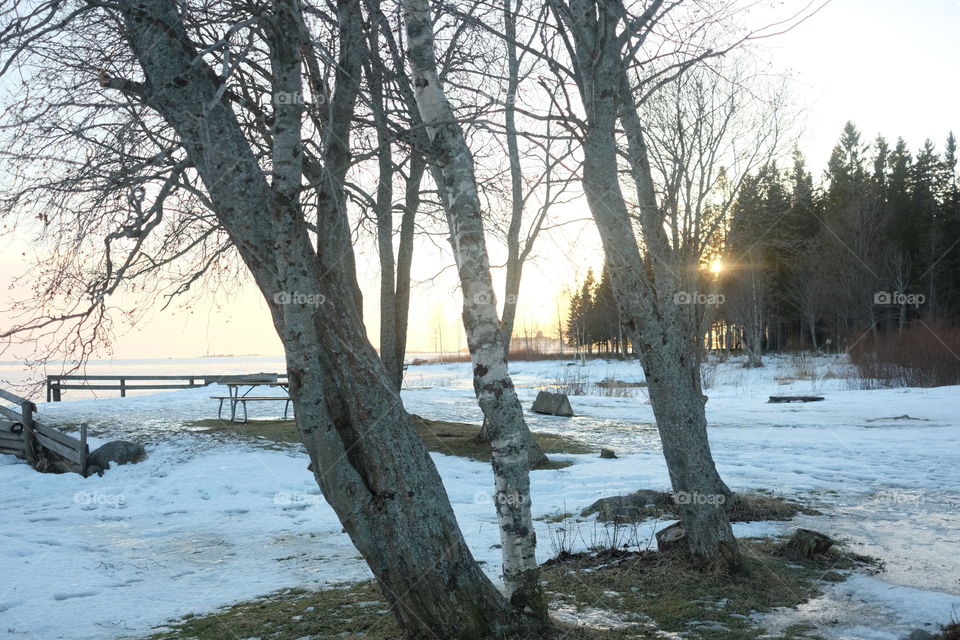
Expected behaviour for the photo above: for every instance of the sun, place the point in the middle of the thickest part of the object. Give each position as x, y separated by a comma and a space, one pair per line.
716, 266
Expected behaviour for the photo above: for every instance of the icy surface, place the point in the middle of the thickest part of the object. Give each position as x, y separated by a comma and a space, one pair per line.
206, 521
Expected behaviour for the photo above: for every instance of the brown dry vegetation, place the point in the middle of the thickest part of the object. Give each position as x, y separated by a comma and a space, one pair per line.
638, 593
924, 355
449, 438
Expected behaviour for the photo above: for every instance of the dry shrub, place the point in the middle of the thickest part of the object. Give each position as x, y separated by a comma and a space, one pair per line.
925, 355
754, 507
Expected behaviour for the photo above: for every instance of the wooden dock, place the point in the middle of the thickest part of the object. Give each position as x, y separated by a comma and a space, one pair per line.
57, 384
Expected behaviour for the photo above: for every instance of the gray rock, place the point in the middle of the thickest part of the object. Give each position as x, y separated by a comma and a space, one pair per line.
632, 507
607, 454
553, 404
920, 634
119, 451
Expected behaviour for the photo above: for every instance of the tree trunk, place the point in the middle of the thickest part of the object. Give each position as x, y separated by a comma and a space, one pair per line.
394, 273
670, 362
645, 288
383, 210
514, 259
494, 389
405, 257
369, 462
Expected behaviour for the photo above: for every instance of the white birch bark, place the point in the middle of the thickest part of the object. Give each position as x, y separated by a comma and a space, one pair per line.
492, 384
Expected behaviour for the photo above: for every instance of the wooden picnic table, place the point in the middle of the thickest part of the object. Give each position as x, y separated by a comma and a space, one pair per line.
237, 398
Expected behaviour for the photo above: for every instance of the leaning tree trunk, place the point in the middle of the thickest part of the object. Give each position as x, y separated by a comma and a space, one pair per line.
491, 381
645, 286
670, 363
369, 462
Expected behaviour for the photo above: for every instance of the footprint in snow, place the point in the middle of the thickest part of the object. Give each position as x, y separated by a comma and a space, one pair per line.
294, 507
9, 604
63, 595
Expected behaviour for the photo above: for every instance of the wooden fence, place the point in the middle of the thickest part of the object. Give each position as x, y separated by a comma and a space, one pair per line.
57, 384
25, 436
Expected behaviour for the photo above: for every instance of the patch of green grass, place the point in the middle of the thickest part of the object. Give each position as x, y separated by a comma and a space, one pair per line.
702, 603
661, 591
461, 439
800, 630
351, 612
450, 438
278, 431
762, 505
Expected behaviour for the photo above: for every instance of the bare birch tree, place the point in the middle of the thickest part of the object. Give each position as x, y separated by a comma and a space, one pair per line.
491, 380
368, 460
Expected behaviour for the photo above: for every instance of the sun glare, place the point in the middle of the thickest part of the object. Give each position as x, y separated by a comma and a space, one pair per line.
716, 266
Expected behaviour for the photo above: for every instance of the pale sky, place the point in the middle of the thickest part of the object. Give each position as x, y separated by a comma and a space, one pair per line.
889, 66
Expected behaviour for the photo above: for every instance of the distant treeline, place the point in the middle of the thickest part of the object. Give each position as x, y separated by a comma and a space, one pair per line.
870, 249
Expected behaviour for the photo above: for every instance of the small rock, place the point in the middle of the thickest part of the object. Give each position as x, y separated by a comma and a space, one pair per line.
920, 634
553, 404
832, 576
607, 454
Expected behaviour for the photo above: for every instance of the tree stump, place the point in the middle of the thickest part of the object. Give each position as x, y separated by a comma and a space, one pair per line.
809, 543
672, 538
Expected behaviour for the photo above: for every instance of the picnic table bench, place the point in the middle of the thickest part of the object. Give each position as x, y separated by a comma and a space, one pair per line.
238, 399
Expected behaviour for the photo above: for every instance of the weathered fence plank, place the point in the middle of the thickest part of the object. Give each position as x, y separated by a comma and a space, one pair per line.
10, 441
12, 397
10, 413
35, 435
26, 417
56, 434
57, 447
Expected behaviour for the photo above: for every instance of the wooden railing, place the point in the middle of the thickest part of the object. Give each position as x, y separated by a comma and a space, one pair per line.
25, 436
57, 384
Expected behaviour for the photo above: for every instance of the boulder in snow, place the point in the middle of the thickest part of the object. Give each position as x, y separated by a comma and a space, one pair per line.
119, 451
633, 507
553, 404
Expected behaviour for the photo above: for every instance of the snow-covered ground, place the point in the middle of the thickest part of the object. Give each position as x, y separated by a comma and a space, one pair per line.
206, 521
